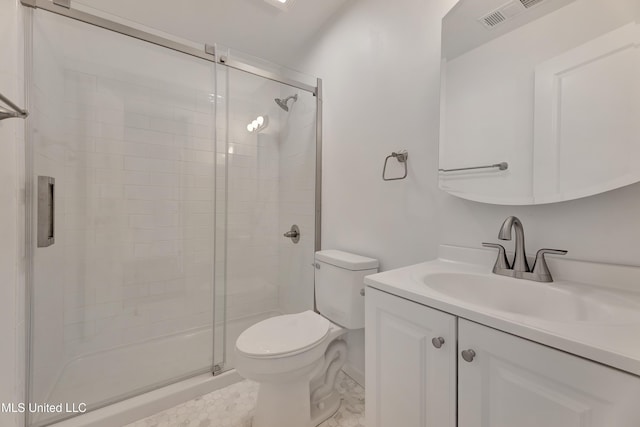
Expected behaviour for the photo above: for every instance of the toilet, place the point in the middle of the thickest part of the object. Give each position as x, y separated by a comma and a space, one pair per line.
295, 358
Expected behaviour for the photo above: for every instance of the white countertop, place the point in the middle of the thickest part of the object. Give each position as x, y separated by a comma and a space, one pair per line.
615, 344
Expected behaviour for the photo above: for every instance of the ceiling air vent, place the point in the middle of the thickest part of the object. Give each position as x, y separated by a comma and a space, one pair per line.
506, 12
493, 19
530, 3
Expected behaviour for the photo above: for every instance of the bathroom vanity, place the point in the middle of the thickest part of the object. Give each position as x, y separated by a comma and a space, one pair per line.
448, 344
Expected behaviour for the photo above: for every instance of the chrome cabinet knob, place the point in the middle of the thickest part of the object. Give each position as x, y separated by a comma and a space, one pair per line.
437, 342
468, 355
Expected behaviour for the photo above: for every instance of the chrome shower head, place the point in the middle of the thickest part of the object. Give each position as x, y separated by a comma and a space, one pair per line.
282, 103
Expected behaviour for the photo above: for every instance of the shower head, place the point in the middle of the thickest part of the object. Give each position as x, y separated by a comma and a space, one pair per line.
282, 103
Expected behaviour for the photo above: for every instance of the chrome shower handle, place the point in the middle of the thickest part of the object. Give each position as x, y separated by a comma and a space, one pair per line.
293, 234
46, 211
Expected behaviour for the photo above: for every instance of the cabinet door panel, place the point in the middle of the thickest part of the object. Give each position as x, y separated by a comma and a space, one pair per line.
410, 382
513, 382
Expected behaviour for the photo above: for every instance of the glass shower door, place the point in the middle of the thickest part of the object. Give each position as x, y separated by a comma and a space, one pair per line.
123, 133
270, 185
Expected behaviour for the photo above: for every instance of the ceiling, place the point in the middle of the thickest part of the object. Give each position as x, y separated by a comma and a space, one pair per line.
462, 30
250, 26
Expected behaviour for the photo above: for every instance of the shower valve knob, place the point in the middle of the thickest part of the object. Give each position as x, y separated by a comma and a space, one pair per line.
293, 234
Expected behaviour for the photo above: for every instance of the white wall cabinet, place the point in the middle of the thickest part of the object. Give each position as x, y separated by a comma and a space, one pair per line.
505, 381
410, 382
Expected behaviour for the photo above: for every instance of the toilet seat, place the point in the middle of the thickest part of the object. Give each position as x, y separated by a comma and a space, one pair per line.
284, 335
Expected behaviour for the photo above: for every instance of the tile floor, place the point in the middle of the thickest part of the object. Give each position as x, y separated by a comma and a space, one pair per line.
233, 406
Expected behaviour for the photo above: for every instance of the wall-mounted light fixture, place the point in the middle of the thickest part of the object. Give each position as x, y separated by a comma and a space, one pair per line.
213, 97
258, 124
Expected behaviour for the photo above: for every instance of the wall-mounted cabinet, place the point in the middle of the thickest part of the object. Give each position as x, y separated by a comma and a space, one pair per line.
551, 88
502, 380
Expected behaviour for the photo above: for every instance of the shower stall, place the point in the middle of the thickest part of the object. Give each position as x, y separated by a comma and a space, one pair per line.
161, 177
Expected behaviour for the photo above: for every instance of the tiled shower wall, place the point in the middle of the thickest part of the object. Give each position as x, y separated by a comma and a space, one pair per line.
253, 191
138, 210
296, 204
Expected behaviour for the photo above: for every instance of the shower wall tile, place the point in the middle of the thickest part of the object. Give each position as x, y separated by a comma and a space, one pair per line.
252, 202
136, 186
296, 181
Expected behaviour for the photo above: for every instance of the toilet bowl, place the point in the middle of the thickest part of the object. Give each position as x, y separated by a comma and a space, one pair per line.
286, 368
295, 358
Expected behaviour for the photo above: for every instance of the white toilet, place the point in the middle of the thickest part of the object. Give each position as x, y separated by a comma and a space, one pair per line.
296, 357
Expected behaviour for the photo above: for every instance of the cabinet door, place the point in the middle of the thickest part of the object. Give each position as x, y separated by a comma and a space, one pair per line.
512, 382
410, 382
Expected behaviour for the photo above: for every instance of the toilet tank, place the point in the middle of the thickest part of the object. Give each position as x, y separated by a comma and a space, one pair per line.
339, 284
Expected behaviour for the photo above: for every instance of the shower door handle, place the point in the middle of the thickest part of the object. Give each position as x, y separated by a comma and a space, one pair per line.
46, 211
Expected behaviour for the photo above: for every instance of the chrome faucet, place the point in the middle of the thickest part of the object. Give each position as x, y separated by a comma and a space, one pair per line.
520, 267
520, 258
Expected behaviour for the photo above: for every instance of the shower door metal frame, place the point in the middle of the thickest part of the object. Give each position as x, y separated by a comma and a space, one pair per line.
208, 53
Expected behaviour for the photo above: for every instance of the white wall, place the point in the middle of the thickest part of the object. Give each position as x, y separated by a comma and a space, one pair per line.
380, 64
12, 359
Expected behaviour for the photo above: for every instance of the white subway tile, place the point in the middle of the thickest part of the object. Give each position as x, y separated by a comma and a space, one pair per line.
151, 165
151, 192
147, 136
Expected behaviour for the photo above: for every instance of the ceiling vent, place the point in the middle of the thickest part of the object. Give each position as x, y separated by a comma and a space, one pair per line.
506, 12
530, 3
493, 19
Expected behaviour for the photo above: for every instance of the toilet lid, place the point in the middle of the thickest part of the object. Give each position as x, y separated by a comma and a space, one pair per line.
283, 334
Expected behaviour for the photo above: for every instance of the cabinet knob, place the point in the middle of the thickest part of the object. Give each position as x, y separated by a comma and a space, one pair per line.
437, 342
468, 355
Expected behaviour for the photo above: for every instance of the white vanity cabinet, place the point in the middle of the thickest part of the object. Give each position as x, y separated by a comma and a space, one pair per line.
502, 380
410, 381
515, 382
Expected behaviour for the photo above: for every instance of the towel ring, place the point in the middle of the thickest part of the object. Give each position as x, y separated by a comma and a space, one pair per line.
402, 157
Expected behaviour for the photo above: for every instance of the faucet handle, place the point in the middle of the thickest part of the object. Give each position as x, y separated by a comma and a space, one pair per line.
540, 268
501, 262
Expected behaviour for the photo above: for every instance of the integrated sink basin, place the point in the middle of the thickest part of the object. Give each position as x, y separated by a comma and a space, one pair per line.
553, 302
590, 309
